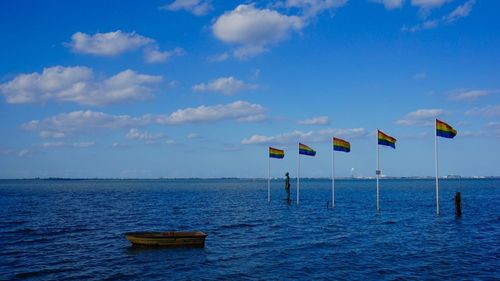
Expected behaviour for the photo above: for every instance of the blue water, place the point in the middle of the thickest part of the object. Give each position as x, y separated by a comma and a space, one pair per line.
73, 230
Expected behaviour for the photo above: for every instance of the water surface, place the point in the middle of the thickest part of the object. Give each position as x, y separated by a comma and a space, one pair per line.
73, 230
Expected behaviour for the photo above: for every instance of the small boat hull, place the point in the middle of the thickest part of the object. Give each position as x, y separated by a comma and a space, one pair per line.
167, 239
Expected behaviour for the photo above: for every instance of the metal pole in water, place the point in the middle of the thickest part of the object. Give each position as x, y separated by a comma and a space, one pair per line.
437, 169
298, 179
378, 174
333, 178
269, 180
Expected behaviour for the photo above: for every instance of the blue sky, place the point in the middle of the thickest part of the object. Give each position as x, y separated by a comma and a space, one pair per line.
196, 88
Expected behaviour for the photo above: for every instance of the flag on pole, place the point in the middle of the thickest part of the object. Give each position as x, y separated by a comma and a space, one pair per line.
341, 145
387, 140
276, 153
444, 130
306, 150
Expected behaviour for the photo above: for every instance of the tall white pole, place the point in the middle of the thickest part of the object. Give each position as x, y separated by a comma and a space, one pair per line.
333, 177
378, 173
269, 180
298, 179
437, 169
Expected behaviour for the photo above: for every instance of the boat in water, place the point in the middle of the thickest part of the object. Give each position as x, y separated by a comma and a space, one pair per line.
167, 239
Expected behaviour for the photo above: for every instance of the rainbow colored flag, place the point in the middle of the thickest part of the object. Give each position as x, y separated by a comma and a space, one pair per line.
387, 140
341, 145
306, 150
444, 130
276, 153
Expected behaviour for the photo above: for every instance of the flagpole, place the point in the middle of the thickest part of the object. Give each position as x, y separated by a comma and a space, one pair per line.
437, 169
378, 174
298, 179
333, 177
269, 180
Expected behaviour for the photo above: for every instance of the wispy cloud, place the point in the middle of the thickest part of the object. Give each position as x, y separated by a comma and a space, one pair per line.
420, 117
84, 144
194, 136
78, 85
24, 153
311, 136
486, 111
218, 57
320, 120
311, 8
66, 124
240, 111
469, 95
225, 85
196, 7
390, 4
459, 12
420, 76
154, 55
428, 4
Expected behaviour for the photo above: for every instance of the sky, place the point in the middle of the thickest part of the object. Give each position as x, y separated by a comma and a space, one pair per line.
200, 88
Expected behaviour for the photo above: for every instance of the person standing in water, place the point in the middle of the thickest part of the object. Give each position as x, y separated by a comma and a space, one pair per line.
287, 186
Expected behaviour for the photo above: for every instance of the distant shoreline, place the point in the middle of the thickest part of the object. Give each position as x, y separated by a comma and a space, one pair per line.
235, 178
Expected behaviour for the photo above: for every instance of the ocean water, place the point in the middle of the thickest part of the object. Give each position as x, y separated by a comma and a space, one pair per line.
73, 230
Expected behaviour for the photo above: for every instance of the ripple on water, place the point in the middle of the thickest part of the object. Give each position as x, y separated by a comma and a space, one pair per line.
74, 230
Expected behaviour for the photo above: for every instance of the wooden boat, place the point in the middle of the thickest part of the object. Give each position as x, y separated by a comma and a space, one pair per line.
167, 239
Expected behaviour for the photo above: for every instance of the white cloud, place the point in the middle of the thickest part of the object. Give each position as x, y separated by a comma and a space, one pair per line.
390, 4
119, 42
486, 111
194, 136
240, 111
154, 55
87, 121
428, 24
311, 136
461, 11
136, 134
225, 85
53, 144
420, 76
420, 117
66, 124
108, 44
24, 153
311, 8
320, 120
254, 29
54, 135
196, 7
78, 84
219, 57
429, 4
85, 144
469, 95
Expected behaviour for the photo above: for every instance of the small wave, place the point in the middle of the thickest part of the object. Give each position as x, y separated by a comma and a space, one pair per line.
43, 272
237, 225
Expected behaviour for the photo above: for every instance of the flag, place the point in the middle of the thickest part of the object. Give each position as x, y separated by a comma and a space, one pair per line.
384, 139
444, 130
276, 153
341, 145
306, 150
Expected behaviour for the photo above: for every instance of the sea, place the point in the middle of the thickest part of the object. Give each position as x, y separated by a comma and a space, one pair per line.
74, 230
